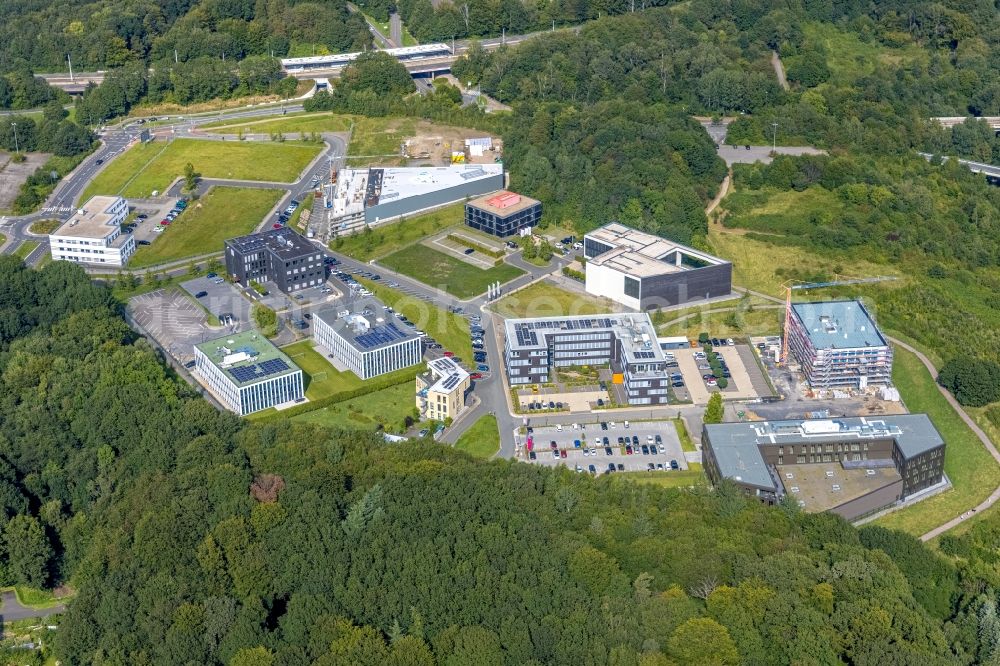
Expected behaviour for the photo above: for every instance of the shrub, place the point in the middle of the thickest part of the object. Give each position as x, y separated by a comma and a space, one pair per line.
974, 382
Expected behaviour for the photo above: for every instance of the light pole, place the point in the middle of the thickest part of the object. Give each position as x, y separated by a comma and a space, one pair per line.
16, 149
774, 137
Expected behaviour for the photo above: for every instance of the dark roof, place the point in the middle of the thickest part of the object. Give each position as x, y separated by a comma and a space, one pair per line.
285, 243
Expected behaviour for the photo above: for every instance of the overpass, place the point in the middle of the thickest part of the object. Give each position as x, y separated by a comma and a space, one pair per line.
991, 172
951, 121
75, 83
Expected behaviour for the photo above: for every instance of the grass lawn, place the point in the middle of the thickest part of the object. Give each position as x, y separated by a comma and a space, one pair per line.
321, 379
387, 407
761, 320
683, 436
482, 440
679, 479
3, 239
289, 124
44, 226
971, 469
440, 270
153, 166
222, 213
446, 327
26, 248
35, 598
543, 299
392, 237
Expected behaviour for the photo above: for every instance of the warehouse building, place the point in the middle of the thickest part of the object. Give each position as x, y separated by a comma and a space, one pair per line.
625, 342
382, 194
503, 214
280, 256
441, 390
366, 338
94, 234
852, 466
246, 373
838, 345
645, 272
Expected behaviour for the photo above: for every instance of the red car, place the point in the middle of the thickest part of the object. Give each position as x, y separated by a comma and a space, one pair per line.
562, 454
165, 222
476, 375
275, 226
449, 354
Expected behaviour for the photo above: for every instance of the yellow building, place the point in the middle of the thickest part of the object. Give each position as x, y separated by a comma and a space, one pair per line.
441, 390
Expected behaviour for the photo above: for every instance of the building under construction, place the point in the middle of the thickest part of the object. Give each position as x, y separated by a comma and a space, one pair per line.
838, 345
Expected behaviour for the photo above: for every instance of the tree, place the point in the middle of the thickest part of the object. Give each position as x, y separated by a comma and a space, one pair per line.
973, 382
703, 642
714, 411
265, 319
28, 551
190, 178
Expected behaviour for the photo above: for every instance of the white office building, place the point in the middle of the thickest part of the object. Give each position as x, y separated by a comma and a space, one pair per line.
246, 373
94, 234
366, 338
441, 390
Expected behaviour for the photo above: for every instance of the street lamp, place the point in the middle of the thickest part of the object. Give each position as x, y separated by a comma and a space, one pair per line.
774, 137
16, 149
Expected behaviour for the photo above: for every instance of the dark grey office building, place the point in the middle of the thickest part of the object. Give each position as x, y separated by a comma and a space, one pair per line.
280, 256
503, 213
646, 272
626, 342
852, 466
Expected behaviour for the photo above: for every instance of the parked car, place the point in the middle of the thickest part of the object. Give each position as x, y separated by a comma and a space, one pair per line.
476, 375
674, 465
201, 294
483, 368
469, 251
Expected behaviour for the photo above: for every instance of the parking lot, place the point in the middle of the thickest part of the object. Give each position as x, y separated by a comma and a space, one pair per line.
221, 298
740, 385
175, 322
593, 451
145, 229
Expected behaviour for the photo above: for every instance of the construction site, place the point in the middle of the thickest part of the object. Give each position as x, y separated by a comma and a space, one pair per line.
453, 148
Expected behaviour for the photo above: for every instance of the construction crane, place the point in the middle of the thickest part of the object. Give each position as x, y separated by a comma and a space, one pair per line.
789, 286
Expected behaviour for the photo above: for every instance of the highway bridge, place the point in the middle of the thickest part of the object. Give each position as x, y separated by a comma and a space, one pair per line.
951, 121
991, 172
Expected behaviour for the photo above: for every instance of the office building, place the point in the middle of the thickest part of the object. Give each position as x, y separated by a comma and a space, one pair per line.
838, 345
441, 390
246, 373
645, 272
367, 197
94, 234
852, 466
280, 256
366, 338
503, 213
627, 343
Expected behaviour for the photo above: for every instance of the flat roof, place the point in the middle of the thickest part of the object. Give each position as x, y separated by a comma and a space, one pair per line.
736, 445
635, 332
92, 220
365, 324
402, 182
838, 325
450, 375
284, 242
824, 486
644, 255
247, 357
486, 203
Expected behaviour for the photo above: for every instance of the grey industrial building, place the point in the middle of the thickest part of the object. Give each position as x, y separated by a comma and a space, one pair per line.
852, 466
838, 345
627, 342
382, 194
366, 338
503, 213
646, 272
280, 256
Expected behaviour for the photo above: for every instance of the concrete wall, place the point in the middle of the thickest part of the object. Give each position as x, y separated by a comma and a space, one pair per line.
871, 502
686, 286
607, 282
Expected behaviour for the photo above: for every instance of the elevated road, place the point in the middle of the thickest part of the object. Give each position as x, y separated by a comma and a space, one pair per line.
991, 171
951, 121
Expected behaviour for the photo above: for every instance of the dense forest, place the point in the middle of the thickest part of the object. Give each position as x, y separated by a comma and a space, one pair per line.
192, 537
105, 34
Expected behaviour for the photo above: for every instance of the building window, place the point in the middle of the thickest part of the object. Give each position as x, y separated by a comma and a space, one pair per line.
631, 287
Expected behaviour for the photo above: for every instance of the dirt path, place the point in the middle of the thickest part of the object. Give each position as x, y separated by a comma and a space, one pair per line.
723, 191
779, 69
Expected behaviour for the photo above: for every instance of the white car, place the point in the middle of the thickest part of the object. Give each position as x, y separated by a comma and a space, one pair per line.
586, 453
611, 425
558, 427
626, 425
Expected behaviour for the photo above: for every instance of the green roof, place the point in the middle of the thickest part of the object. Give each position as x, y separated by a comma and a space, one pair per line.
247, 357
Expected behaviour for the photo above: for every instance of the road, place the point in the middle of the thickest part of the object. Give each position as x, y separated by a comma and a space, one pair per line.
13, 610
989, 170
396, 29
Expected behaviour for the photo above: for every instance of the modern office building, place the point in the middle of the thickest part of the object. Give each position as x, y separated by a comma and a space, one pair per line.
852, 466
247, 373
645, 272
441, 390
366, 338
626, 342
280, 256
382, 194
94, 234
838, 345
503, 213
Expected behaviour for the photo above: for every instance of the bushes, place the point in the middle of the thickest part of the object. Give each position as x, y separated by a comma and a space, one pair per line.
973, 382
462, 240
576, 275
714, 409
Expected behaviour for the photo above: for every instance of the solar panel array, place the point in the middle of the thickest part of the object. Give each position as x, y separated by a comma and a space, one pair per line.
380, 335
451, 382
257, 371
525, 336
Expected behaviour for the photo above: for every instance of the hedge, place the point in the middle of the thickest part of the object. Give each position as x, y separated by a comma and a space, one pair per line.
462, 240
576, 275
